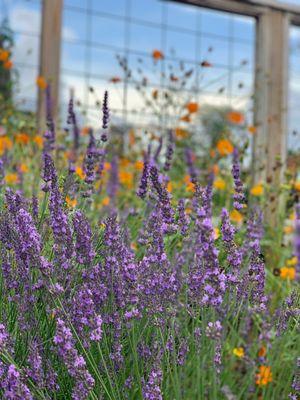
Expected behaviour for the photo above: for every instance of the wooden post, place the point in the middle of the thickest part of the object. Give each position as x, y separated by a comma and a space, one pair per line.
50, 56
271, 94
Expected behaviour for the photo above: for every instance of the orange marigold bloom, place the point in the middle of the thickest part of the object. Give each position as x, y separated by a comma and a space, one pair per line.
126, 178
264, 376
186, 118
236, 117
11, 179
41, 82
297, 186
105, 202
8, 64
23, 168
4, 55
181, 133
257, 190
288, 229
85, 130
79, 172
215, 169
224, 147
139, 165
38, 140
124, 162
71, 202
22, 138
236, 216
107, 166
157, 55
5, 144
192, 107
169, 187
190, 187
287, 273
219, 184
212, 153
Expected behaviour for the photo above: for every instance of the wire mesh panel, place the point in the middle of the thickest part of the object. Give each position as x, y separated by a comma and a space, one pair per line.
138, 48
294, 91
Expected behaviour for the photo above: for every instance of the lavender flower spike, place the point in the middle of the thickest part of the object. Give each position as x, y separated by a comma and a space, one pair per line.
238, 197
297, 241
105, 117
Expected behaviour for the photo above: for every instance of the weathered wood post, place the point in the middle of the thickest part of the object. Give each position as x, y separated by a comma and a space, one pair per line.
50, 44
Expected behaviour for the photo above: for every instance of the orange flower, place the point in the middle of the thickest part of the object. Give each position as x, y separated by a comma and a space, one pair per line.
262, 351
139, 165
133, 246
105, 202
192, 107
71, 202
124, 162
252, 129
257, 190
212, 153
38, 140
85, 130
169, 187
41, 82
288, 229
181, 133
8, 64
22, 138
79, 172
23, 168
190, 187
126, 178
224, 147
297, 186
5, 144
185, 118
11, 179
235, 117
4, 55
215, 169
115, 79
287, 273
107, 166
264, 376
219, 184
157, 55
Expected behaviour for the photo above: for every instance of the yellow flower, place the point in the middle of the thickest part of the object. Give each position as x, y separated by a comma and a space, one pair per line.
287, 273
264, 376
79, 172
236, 216
292, 262
224, 147
257, 190
219, 184
239, 352
297, 186
292, 217
71, 202
190, 187
217, 233
105, 202
11, 179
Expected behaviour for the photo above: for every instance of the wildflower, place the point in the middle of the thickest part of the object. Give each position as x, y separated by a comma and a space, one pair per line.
185, 118
22, 138
262, 351
257, 190
139, 165
224, 147
157, 55
107, 166
71, 202
105, 116
236, 216
192, 107
11, 179
287, 273
169, 187
38, 140
219, 184
288, 230
41, 82
4, 55
235, 117
217, 233
181, 133
8, 64
190, 186
142, 190
126, 178
5, 144
238, 197
297, 186
79, 172
292, 262
264, 376
105, 202
169, 151
252, 129
239, 352
23, 168
155, 94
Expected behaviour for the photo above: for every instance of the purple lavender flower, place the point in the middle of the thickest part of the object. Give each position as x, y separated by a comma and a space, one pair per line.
158, 150
183, 219
75, 363
49, 135
169, 151
105, 117
73, 120
297, 241
84, 247
142, 190
12, 384
151, 390
238, 196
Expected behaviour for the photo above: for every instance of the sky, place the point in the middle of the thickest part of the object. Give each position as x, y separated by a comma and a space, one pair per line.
95, 31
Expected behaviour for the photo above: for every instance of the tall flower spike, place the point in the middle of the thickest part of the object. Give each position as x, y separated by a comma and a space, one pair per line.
73, 121
238, 197
297, 241
142, 190
105, 117
49, 135
169, 151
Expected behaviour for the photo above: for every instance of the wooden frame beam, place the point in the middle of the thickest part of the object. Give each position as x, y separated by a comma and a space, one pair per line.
49, 66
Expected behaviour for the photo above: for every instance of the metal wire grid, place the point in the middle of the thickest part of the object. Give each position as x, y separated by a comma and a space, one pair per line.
125, 49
